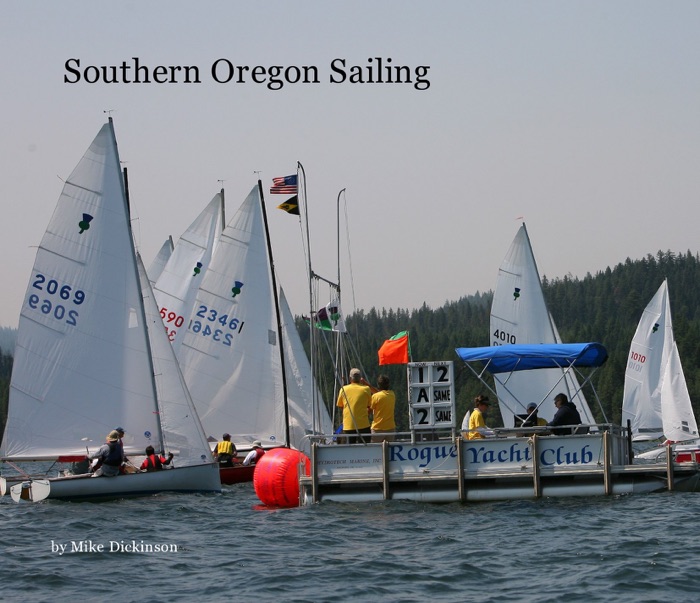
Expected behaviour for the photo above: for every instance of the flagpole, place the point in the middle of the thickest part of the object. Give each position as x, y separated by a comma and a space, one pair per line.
339, 344
312, 336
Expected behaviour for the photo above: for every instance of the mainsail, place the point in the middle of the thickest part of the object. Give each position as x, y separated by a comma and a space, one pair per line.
230, 353
655, 399
176, 287
519, 315
81, 325
87, 347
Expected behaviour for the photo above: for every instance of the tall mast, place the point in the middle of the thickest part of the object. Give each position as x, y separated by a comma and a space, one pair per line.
280, 342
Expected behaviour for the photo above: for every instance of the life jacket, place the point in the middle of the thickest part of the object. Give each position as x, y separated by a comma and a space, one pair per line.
153, 463
114, 456
258, 453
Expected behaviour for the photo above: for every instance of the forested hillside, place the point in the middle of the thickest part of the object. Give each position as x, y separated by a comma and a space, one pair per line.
604, 307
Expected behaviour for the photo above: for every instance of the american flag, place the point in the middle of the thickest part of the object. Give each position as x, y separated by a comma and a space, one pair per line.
286, 185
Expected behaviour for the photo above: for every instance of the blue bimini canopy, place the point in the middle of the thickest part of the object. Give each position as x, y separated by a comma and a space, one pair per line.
509, 358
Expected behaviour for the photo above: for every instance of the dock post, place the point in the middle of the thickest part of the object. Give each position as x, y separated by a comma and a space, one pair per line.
607, 471
314, 476
461, 490
385, 469
537, 484
669, 467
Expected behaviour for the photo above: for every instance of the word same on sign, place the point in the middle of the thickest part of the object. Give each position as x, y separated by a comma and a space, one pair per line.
431, 395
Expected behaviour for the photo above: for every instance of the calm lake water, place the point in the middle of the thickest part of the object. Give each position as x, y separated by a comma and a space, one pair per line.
631, 548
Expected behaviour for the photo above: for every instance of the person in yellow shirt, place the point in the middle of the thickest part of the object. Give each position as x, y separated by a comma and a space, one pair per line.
355, 399
382, 406
225, 451
477, 423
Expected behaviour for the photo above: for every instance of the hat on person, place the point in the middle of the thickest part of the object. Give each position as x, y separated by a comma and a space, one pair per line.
355, 372
257, 444
119, 429
113, 436
531, 405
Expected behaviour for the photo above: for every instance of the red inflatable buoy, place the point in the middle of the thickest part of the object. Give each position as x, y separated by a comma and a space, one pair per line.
276, 477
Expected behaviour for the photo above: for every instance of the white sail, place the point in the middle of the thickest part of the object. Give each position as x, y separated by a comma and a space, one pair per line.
82, 364
519, 315
88, 347
182, 432
655, 396
161, 259
230, 354
300, 386
177, 285
678, 416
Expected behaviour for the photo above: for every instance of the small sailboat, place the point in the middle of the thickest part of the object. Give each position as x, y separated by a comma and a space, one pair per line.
176, 286
656, 400
236, 354
519, 315
91, 351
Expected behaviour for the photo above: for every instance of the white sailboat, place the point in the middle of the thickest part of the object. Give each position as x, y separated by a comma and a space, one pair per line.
656, 400
519, 315
231, 354
176, 287
86, 359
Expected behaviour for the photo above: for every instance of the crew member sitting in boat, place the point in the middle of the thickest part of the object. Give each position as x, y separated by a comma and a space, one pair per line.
153, 461
225, 451
529, 419
109, 457
255, 454
566, 414
477, 423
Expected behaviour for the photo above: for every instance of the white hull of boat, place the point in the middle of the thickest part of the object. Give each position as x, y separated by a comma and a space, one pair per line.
682, 453
490, 469
196, 478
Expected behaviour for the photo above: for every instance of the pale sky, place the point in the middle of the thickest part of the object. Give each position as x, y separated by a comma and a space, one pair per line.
581, 117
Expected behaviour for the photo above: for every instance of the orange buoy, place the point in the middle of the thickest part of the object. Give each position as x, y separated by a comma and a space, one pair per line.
276, 477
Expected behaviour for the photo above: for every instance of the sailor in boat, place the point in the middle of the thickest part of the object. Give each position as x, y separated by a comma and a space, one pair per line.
477, 422
225, 451
566, 414
109, 457
153, 461
255, 454
121, 432
355, 399
530, 419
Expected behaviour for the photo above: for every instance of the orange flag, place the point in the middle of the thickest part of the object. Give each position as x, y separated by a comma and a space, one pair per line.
395, 350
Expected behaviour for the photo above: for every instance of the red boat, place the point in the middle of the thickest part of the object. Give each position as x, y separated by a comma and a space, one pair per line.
236, 474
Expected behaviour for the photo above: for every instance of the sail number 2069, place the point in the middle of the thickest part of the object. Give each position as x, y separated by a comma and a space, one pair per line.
56, 300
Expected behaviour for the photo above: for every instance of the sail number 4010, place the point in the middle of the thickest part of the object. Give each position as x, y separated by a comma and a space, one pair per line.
500, 337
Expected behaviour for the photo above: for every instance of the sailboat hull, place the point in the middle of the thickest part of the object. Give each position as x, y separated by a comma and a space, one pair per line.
197, 478
237, 474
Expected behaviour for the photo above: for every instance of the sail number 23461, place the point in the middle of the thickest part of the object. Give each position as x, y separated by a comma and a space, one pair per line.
55, 300
208, 326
